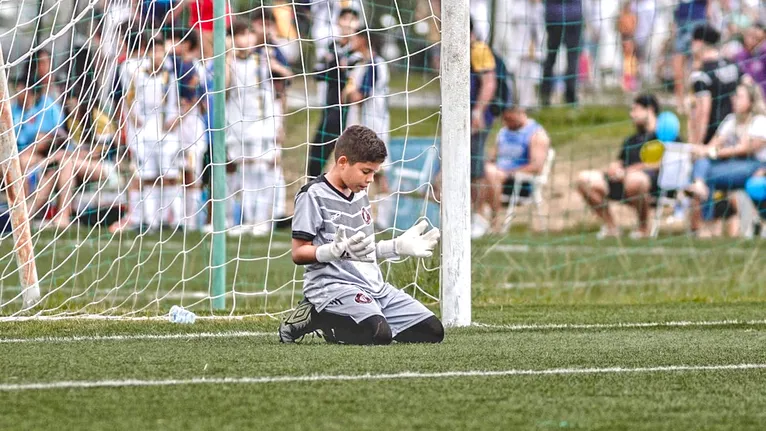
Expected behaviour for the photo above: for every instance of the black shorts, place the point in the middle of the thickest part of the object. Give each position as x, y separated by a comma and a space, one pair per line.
526, 188
617, 188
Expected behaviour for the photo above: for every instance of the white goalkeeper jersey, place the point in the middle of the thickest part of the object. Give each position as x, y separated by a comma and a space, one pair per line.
250, 99
320, 209
151, 100
371, 79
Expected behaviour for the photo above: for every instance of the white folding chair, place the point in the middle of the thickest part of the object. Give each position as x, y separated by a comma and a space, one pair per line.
537, 182
674, 176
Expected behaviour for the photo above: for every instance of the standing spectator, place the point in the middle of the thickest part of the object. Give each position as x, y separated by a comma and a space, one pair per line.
752, 58
483, 86
191, 132
202, 20
563, 25
689, 14
645, 16
151, 110
712, 84
522, 147
627, 179
250, 133
332, 72
626, 25
367, 94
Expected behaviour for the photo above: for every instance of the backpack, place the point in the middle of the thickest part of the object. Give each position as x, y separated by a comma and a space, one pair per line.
503, 97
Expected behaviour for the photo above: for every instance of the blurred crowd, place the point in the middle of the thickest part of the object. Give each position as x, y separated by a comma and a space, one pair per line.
121, 133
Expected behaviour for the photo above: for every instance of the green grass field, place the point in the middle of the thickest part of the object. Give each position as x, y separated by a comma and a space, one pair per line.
569, 332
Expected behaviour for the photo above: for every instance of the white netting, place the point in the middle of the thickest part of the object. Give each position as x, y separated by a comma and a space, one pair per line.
114, 116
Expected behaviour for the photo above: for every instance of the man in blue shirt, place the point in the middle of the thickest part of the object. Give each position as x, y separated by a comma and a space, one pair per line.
36, 118
522, 147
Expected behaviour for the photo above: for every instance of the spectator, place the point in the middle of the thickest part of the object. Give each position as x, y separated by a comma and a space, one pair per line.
752, 58
688, 15
626, 25
735, 153
713, 84
367, 95
627, 179
483, 86
333, 72
563, 25
185, 61
250, 133
151, 111
201, 19
522, 147
36, 119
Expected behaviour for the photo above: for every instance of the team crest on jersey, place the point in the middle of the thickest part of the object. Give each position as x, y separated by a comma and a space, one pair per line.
366, 216
361, 298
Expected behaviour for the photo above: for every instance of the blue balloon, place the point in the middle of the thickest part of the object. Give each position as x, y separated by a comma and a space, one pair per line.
668, 127
756, 188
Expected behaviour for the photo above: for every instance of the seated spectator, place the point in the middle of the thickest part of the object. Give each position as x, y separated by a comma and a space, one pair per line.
736, 152
627, 179
522, 147
79, 144
36, 117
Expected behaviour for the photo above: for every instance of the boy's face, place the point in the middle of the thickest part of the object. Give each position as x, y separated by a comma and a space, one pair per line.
357, 176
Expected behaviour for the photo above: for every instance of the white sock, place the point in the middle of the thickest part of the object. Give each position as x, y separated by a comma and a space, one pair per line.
134, 207
172, 205
251, 183
280, 201
150, 195
192, 204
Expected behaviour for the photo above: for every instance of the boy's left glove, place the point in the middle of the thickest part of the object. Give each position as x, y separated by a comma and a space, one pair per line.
412, 242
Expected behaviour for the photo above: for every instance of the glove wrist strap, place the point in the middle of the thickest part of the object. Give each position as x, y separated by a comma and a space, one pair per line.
386, 249
324, 253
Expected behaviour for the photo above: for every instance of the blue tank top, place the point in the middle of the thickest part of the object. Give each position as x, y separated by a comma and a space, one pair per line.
513, 146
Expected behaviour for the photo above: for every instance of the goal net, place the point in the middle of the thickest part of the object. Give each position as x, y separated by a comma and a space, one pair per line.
161, 156
162, 143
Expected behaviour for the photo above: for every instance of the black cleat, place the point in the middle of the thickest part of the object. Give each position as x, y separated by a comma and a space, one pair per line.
298, 324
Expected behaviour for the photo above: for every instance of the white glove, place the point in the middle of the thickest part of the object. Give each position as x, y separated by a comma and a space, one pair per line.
411, 243
359, 247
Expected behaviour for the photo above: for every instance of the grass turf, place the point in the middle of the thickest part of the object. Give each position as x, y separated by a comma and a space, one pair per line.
710, 399
523, 278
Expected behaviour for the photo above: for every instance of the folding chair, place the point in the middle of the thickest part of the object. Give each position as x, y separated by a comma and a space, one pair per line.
674, 176
537, 182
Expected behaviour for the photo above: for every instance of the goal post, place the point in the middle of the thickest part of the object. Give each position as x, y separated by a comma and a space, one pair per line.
13, 181
455, 278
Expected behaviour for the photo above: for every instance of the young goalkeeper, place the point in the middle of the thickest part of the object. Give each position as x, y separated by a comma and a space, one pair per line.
345, 295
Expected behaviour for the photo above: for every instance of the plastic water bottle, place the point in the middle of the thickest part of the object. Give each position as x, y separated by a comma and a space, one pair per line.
179, 314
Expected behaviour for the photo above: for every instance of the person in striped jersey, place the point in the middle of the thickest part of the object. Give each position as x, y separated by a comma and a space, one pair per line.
333, 236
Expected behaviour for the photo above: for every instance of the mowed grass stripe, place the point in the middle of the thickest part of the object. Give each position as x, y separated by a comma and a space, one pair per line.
361, 377
516, 327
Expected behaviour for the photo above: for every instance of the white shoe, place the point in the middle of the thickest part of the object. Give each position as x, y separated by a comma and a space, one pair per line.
261, 230
479, 226
605, 232
207, 228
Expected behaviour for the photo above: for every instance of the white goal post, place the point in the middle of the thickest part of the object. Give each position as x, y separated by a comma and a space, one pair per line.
456, 189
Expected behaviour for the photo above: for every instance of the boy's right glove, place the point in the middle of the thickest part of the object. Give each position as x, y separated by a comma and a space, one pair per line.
359, 247
413, 242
